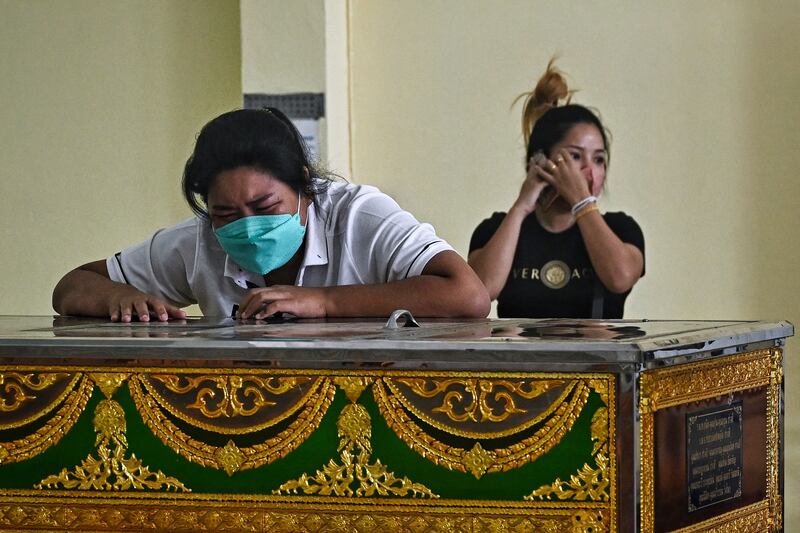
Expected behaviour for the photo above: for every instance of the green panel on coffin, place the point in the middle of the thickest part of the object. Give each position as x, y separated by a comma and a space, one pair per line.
566, 458
319, 448
69, 451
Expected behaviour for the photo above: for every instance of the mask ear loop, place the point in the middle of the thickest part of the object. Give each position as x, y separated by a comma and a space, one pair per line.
299, 197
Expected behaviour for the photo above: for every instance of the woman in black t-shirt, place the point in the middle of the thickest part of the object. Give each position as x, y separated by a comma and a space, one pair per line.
554, 254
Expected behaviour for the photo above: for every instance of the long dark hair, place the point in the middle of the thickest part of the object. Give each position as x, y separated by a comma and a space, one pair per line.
262, 138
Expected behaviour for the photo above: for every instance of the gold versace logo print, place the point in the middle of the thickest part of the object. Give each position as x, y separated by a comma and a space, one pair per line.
555, 274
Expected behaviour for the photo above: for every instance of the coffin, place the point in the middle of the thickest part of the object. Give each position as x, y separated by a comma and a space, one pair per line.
365, 425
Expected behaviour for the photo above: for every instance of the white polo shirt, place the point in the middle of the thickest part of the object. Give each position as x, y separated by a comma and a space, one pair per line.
355, 234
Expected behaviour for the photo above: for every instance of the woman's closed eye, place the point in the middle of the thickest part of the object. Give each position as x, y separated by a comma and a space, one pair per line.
266, 208
228, 216
265, 205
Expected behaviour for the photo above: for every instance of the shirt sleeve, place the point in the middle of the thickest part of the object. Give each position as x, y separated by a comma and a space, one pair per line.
386, 242
485, 231
628, 231
158, 265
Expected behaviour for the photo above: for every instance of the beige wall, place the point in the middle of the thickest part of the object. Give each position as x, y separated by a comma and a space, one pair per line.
701, 99
283, 46
100, 103
300, 46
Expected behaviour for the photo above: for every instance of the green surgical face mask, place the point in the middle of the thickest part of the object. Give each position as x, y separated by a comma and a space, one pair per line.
262, 243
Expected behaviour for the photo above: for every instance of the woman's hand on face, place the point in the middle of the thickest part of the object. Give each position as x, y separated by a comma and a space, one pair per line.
305, 302
126, 300
565, 176
531, 188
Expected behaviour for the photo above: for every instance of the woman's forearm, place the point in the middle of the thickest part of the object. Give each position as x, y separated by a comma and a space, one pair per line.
446, 288
88, 291
492, 263
84, 292
617, 264
425, 295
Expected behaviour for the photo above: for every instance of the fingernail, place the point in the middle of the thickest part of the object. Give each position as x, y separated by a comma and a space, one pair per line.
163, 317
144, 318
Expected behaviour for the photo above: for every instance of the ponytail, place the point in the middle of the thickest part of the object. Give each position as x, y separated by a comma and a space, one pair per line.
551, 91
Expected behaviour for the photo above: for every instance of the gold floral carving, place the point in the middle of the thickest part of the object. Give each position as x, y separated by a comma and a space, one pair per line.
497, 460
479, 391
596, 484
601, 387
588, 484
581, 521
338, 479
34, 381
109, 382
230, 457
599, 429
279, 518
234, 390
753, 518
51, 432
682, 384
313, 407
773, 436
488, 430
231, 390
647, 468
16, 390
112, 471
667, 387
594, 521
353, 386
477, 460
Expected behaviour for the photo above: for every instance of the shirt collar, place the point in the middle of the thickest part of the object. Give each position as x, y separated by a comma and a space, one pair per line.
243, 278
316, 243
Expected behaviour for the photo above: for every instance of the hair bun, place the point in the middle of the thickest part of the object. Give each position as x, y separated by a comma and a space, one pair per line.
550, 91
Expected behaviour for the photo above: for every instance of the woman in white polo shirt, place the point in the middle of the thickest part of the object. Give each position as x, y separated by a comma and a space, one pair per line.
273, 234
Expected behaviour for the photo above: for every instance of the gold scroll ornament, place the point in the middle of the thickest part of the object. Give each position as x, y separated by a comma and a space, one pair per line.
113, 470
481, 408
235, 404
57, 398
372, 479
355, 473
589, 483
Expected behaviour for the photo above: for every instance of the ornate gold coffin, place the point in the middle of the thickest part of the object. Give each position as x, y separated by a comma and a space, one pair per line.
483, 425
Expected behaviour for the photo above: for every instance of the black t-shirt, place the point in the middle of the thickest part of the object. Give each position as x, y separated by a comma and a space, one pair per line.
551, 275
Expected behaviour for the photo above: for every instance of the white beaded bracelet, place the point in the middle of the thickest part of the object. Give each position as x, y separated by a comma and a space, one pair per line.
583, 203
